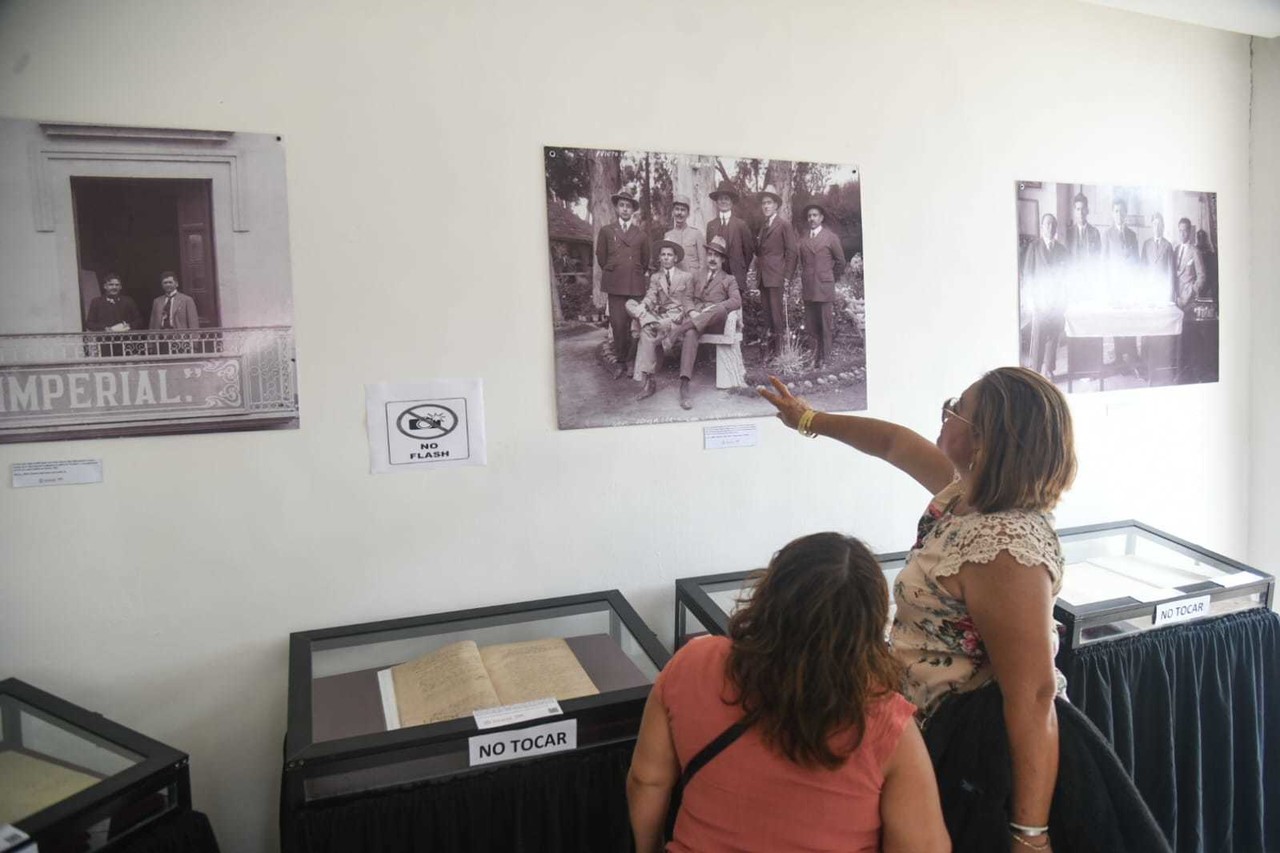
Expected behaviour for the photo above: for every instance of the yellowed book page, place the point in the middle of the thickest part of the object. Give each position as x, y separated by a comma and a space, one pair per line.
448, 683
536, 669
29, 784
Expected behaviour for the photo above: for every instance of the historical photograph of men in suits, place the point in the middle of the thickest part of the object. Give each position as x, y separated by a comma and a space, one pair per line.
733, 229
173, 310
163, 302
776, 259
622, 251
690, 239
821, 262
112, 311
681, 282
1118, 305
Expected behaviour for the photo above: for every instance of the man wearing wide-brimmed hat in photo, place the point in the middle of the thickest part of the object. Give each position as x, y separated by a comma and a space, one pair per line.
735, 231
690, 238
622, 250
713, 298
665, 306
822, 263
777, 254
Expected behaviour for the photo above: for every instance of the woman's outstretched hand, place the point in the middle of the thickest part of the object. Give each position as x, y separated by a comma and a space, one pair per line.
789, 407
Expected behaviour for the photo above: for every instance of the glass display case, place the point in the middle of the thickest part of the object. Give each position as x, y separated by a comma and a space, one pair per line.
388, 704
1124, 577
704, 604
1120, 577
71, 780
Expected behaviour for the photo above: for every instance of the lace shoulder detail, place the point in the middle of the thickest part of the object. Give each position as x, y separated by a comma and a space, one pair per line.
1029, 538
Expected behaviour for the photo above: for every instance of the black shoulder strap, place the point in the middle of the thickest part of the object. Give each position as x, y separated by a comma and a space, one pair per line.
695, 764
711, 750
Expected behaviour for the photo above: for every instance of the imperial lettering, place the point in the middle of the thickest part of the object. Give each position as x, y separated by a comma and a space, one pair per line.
81, 389
43, 392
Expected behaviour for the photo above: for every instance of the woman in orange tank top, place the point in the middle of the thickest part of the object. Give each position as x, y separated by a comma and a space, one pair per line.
829, 757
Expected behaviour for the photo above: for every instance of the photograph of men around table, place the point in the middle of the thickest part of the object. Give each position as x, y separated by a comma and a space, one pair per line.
146, 286
1117, 286
679, 282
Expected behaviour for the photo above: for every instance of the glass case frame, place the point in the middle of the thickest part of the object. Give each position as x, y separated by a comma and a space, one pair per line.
694, 601
158, 770
694, 595
316, 771
1103, 618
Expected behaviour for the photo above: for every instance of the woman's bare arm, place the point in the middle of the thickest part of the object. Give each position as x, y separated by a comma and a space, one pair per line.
655, 769
1012, 608
902, 448
909, 806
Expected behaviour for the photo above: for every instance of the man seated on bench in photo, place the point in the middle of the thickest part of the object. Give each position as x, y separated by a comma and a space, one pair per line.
713, 300
664, 307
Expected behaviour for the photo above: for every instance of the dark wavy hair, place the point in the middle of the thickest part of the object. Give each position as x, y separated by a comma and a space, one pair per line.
808, 652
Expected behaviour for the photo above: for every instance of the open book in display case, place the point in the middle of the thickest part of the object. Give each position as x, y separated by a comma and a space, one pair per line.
389, 704
72, 780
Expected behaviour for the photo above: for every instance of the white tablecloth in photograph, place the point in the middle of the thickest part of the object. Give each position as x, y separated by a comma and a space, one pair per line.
1097, 321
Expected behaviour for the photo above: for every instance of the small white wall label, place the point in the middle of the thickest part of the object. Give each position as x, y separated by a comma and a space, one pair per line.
64, 472
737, 435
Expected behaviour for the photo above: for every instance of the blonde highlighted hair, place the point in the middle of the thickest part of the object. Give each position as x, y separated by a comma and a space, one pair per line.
1026, 453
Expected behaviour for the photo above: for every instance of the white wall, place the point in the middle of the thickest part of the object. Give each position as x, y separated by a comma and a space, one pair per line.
1264, 497
414, 136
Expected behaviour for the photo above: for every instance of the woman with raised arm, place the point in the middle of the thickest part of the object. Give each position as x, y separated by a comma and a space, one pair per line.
789, 733
974, 630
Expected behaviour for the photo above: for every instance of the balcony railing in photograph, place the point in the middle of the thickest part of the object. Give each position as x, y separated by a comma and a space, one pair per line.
96, 378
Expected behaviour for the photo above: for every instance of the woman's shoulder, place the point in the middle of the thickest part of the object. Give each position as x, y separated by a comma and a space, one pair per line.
1028, 536
946, 495
892, 709
887, 717
1012, 521
703, 647
694, 660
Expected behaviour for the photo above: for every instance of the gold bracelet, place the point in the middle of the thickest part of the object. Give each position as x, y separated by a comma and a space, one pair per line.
1025, 843
804, 425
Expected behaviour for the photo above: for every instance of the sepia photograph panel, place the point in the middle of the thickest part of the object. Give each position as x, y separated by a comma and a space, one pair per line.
680, 282
1117, 286
145, 282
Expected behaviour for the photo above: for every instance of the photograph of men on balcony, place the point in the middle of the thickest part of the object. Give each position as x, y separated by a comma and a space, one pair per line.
1118, 286
147, 287
745, 267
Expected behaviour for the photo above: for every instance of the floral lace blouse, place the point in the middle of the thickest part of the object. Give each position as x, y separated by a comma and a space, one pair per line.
933, 634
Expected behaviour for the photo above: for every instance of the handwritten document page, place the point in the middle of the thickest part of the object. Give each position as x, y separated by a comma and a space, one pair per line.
536, 669
448, 683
